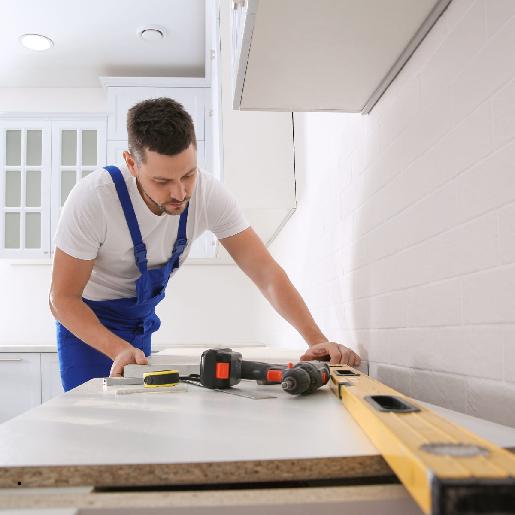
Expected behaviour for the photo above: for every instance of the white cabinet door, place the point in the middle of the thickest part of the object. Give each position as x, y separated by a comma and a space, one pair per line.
50, 376
121, 99
20, 383
25, 173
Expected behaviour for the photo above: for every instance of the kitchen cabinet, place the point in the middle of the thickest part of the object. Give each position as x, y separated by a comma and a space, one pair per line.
50, 376
329, 55
27, 379
194, 95
258, 149
120, 99
20, 383
196, 99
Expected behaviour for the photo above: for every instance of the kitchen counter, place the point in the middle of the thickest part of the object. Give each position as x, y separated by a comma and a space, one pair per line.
28, 348
198, 436
93, 449
51, 347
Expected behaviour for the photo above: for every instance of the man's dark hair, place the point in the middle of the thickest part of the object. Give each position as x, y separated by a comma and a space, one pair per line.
161, 125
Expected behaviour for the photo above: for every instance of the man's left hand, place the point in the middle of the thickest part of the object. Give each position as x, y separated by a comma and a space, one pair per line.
334, 352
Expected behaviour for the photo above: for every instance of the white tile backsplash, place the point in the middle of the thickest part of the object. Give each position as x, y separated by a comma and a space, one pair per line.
489, 297
507, 233
438, 304
498, 12
403, 244
440, 389
503, 113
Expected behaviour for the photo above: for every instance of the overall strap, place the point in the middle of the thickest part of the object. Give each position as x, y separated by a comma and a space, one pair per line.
140, 251
181, 240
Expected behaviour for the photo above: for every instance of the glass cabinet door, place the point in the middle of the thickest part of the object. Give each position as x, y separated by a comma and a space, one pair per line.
79, 156
78, 148
26, 165
41, 160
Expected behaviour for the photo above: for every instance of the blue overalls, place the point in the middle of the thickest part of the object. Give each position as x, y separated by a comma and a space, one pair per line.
133, 319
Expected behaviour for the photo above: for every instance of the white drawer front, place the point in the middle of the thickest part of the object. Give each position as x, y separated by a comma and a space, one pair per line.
20, 383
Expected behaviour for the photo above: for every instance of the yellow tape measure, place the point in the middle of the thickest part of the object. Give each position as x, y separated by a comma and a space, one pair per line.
160, 378
446, 469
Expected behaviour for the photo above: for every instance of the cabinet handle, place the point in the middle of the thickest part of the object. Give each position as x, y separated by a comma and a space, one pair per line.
11, 359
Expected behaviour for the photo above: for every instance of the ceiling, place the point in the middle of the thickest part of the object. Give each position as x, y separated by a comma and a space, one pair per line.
95, 38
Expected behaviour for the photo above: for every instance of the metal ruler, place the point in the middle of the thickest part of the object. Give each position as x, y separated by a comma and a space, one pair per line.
231, 391
445, 468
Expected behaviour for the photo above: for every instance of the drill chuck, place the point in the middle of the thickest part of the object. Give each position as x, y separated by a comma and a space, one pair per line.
295, 381
305, 377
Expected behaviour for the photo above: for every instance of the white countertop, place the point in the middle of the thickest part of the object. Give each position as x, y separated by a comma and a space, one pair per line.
90, 427
28, 348
87, 426
159, 347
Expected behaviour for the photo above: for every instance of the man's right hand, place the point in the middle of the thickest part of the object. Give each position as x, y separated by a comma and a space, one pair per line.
128, 356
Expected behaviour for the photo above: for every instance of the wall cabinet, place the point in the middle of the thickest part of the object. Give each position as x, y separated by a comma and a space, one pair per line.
120, 99
258, 147
329, 55
41, 158
196, 99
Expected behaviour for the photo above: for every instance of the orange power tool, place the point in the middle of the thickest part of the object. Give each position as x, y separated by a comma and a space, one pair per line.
223, 368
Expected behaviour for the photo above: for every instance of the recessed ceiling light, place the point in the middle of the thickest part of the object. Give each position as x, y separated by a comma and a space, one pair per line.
152, 33
36, 42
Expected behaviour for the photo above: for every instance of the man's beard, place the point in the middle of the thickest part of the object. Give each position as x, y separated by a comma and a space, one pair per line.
174, 209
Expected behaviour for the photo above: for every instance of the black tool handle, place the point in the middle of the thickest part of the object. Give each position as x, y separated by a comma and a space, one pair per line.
263, 373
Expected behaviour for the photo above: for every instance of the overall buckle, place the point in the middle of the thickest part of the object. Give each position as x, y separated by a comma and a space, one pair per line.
180, 245
140, 253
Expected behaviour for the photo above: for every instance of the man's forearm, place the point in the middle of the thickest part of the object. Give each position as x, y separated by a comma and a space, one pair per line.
287, 301
80, 319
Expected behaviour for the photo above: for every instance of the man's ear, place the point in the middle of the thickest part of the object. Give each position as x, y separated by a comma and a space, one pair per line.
130, 162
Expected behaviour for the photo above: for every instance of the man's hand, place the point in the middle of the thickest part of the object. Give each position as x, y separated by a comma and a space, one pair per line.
336, 353
127, 357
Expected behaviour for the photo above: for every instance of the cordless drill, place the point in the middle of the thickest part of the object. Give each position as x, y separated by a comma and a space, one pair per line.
223, 368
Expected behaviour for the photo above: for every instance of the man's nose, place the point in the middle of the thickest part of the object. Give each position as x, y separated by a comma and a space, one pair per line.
178, 191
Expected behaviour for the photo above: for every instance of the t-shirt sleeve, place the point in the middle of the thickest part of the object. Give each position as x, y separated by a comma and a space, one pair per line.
81, 227
224, 216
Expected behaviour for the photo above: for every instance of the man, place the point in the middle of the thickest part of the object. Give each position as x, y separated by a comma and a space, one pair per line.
124, 232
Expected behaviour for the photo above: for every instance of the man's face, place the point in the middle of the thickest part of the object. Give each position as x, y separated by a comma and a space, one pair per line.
166, 183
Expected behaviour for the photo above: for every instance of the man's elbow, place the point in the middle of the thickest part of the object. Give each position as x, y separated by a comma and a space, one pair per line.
53, 302
59, 303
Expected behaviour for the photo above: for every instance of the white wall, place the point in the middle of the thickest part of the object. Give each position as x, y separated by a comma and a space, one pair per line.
49, 100
24, 314
403, 243
205, 304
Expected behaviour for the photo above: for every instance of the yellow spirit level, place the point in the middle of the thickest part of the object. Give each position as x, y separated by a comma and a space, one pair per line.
446, 469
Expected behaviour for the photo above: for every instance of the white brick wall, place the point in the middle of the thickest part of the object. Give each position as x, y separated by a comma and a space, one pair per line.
403, 243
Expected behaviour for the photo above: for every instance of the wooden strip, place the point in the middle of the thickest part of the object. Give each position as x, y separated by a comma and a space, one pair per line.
196, 473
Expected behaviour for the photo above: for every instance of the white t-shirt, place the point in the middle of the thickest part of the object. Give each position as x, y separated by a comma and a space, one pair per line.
92, 226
